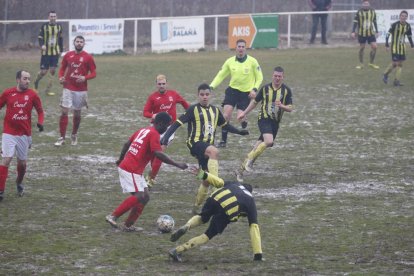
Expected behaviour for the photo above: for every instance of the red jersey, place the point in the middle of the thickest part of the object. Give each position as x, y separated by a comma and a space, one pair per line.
75, 65
167, 102
19, 105
144, 143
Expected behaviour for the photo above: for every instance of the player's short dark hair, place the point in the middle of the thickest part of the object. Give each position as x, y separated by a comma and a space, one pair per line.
248, 187
203, 86
19, 74
162, 117
80, 37
52, 11
404, 11
279, 69
241, 40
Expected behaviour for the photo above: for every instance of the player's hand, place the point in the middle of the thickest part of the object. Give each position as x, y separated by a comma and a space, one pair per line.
194, 169
252, 94
241, 116
62, 80
387, 49
40, 127
243, 132
43, 47
353, 35
117, 162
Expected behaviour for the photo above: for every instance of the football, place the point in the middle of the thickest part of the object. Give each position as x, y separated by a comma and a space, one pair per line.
165, 223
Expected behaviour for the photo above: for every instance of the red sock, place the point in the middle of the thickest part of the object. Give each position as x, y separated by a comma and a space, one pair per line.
155, 167
76, 123
136, 211
21, 171
63, 124
125, 206
4, 171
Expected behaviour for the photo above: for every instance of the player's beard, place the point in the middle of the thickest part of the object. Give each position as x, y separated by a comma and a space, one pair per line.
79, 48
23, 87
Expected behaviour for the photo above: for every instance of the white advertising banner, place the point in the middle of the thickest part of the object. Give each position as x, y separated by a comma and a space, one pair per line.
101, 35
386, 17
174, 34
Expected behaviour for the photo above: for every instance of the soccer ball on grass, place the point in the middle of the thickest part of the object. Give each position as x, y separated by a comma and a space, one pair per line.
165, 223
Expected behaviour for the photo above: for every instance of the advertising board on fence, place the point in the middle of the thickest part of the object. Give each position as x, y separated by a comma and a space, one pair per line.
175, 34
386, 17
101, 35
259, 31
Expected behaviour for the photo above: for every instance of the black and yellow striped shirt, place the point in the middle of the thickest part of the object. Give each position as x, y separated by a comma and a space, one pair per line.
268, 95
236, 201
398, 32
51, 37
366, 20
202, 123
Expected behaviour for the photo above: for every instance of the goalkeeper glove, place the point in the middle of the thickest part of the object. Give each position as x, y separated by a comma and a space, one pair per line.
40, 127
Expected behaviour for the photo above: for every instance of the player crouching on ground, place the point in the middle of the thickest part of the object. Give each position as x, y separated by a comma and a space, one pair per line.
140, 149
231, 201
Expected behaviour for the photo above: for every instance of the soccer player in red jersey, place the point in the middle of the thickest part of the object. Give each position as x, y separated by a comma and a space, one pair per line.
141, 147
162, 100
76, 69
17, 128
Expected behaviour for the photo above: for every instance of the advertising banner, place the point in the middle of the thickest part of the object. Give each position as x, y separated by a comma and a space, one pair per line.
101, 35
386, 17
175, 34
259, 31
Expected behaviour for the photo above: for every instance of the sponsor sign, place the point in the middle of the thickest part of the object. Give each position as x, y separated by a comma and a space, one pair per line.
259, 31
175, 34
101, 35
386, 17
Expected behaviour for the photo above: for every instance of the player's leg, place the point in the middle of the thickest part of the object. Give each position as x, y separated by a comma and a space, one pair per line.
52, 71
80, 100
372, 54
324, 18
315, 22
361, 56
227, 112
44, 67
22, 150
8, 149
398, 72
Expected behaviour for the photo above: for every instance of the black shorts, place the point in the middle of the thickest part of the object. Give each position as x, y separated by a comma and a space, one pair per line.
267, 125
219, 219
198, 150
236, 98
397, 57
367, 39
48, 61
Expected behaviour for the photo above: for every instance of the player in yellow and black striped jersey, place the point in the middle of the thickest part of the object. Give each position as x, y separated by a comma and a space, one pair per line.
203, 120
276, 98
51, 44
366, 21
231, 201
398, 31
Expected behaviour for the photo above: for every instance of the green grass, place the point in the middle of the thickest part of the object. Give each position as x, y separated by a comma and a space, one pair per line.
335, 194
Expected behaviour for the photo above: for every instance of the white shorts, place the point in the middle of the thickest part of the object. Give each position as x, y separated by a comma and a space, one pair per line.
131, 182
19, 145
74, 99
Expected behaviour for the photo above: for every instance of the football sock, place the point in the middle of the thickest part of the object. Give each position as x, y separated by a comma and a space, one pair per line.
372, 55
194, 222
197, 241
63, 124
361, 55
4, 171
255, 238
202, 194
398, 73
257, 152
21, 171
134, 214
155, 167
126, 205
38, 78
224, 135
389, 69
76, 123
49, 83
